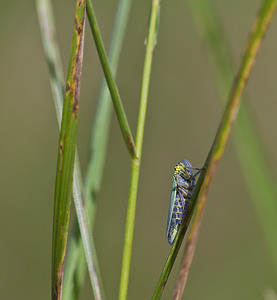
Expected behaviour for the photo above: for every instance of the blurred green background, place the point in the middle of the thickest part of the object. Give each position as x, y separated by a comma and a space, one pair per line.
231, 260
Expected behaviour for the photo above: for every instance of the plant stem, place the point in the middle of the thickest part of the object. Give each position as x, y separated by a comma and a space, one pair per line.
131, 210
202, 188
75, 268
118, 106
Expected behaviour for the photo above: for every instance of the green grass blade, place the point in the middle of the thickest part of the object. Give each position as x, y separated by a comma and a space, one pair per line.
66, 153
118, 106
130, 219
57, 84
75, 267
259, 28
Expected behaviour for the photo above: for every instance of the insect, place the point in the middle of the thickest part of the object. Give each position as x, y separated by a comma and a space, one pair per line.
183, 184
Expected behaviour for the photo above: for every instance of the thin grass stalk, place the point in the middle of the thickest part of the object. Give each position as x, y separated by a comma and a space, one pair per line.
135, 163
89, 247
52, 54
75, 267
258, 175
202, 188
256, 172
66, 153
118, 106
258, 31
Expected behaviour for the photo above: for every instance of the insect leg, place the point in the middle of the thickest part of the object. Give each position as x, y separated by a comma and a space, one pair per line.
199, 171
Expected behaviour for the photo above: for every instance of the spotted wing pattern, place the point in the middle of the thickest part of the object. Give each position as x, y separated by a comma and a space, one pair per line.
183, 184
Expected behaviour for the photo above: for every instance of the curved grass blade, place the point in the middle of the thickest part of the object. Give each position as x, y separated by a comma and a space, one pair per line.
257, 173
66, 153
259, 28
75, 267
118, 106
135, 163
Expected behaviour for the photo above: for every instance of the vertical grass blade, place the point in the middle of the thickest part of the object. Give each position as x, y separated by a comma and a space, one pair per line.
66, 153
257, 173
135, 164
88, 244
75, 267
259, 28
52, 53
118, 106
57, 84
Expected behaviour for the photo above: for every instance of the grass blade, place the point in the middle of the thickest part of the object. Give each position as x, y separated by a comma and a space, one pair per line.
135, 164
88, 244
257, 173
52, 54
259, 28
57, 84
66, 153
118, 106
75, 268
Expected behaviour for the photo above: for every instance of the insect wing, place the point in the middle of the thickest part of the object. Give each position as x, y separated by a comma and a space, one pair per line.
171, 204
